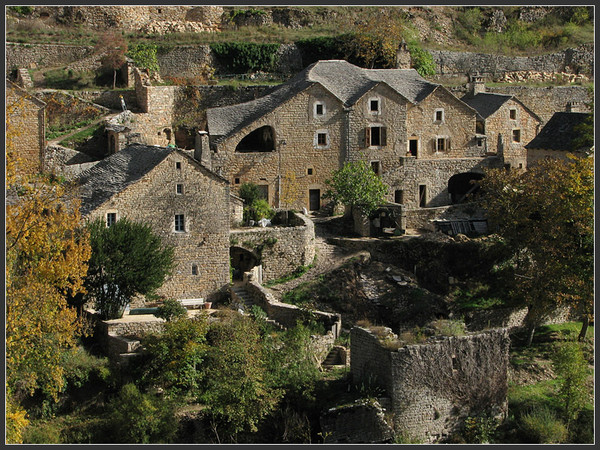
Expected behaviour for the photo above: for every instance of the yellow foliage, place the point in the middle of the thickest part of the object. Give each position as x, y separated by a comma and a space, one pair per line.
290, 190
16, 421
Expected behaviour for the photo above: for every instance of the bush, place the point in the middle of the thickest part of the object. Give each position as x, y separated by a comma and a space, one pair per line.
260, 209
80, 366
170, 309
421, 60
480, 429
571, 368
42, 433
138, 418
249, 192
543, 427
244, 57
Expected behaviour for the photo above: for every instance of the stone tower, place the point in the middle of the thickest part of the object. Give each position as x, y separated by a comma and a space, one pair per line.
403, 60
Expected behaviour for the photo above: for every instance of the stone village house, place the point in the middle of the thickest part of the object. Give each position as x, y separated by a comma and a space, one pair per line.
415, 134
185, 203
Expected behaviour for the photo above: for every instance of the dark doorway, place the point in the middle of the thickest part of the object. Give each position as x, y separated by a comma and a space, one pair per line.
260, 140
399, 197
242, 260
462, 186
422, 196
314, 199
413, 144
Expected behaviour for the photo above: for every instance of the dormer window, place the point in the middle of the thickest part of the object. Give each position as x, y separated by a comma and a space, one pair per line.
374, 106
438, 116
319, 109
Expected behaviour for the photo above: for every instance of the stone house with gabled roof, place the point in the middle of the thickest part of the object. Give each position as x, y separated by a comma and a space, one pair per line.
416, 135
558, 138
184, 202
504, 123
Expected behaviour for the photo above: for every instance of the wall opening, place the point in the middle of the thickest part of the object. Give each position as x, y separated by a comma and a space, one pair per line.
260, 140
422, 196
462, 186
242, 260
314, 199
413, 144
399, 196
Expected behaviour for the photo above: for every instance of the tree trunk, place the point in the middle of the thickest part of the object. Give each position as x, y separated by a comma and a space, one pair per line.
114, 79
531, 332
584, 328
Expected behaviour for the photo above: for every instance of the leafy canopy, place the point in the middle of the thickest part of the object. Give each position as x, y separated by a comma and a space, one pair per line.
357, 185
127, 259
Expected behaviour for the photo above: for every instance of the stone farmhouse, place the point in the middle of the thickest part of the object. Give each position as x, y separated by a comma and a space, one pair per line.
416, 135
185, 203
26, 127
504, 123
557, 138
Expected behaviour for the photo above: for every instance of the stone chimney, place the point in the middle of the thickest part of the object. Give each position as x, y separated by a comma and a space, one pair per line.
202, 150
403, 60
476, 84
574, 107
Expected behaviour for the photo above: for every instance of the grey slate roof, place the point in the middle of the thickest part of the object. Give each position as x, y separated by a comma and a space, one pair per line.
486, 104
116, 172
559, 132
345, 81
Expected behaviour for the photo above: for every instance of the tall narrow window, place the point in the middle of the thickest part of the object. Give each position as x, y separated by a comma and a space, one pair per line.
111, 219
516, 135
376, 136
321, 139
438, 115
512, 113
179, 188
376, 167
178, 165
179, 222
441, 144
194, 269
319, 109
422, 196
374, 106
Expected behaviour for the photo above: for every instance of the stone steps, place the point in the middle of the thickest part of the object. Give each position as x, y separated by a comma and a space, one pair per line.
247, 302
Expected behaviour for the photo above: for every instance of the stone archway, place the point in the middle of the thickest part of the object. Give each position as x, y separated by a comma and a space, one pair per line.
463, 185
260, 140
242, 260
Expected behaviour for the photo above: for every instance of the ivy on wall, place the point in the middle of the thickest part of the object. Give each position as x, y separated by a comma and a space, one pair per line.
244, 57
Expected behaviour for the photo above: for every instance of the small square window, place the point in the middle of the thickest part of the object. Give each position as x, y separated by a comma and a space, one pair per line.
309, 171
179, 188
319, 109
321, 138
516, 135
512, 113
178, 165
179, 222
111, 219
236, 181
374, 106
439, 115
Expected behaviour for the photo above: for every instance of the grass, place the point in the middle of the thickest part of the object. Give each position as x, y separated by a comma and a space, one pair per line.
81, 136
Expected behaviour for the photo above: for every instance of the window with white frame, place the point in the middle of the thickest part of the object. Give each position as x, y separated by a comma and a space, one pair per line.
321, 139
180, 223
441, 144
111, 218
438, 115
319, 109
374, 105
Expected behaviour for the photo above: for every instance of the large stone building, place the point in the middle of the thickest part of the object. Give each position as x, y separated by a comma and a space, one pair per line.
504, 124
415, 134
25, 128
185, 203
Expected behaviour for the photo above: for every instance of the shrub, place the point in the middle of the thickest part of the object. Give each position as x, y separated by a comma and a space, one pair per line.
571, 367
170, 309
138, 418
80, 366
421, 60
42, 433
479, 429
249, 192
244, 57
449, 327
543, 427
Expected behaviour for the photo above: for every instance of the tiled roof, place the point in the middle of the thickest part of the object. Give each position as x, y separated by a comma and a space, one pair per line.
486, 104
116, 172
559, 133
345, 81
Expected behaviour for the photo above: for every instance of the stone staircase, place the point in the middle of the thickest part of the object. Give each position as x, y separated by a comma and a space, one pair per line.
337, 357
24, 79
239, 293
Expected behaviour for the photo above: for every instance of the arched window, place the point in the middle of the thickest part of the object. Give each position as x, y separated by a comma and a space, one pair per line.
260, 140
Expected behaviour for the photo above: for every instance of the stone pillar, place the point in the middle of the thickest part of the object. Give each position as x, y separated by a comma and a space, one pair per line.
403, 60
202, 150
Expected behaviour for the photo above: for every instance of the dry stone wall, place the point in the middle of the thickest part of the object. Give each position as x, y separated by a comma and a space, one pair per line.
435, 386
33, 56
361, 422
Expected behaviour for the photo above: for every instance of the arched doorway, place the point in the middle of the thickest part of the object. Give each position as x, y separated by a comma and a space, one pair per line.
260, 140
463, 185
242, 260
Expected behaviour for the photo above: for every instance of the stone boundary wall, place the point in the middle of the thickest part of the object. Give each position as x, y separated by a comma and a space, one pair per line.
361, 422
110, 99
515, 317
571, 60
293, 246
32, 56
66, 162
436, 385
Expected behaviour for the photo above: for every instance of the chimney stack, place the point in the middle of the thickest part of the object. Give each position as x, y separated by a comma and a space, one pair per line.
476, 84
403, 60
574, 107
202, 150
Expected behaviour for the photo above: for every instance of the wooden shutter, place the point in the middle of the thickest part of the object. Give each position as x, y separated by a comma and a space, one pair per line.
448, 144
383, 136
367, 137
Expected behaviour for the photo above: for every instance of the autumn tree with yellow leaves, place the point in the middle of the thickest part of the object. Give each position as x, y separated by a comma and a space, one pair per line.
47, 250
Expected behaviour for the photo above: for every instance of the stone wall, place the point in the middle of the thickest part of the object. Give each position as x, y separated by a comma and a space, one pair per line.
281, 249
25, 128
66, 162
435, 386
580, 59
37, 56
205, 205
515, 317
361, 422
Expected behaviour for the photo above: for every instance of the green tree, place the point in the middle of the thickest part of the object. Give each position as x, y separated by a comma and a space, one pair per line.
571, 368
236, 386
174, 358
112, 48
356, 185
139, 418
545, 217
421, 60
171, 309
144, 56
127, 259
